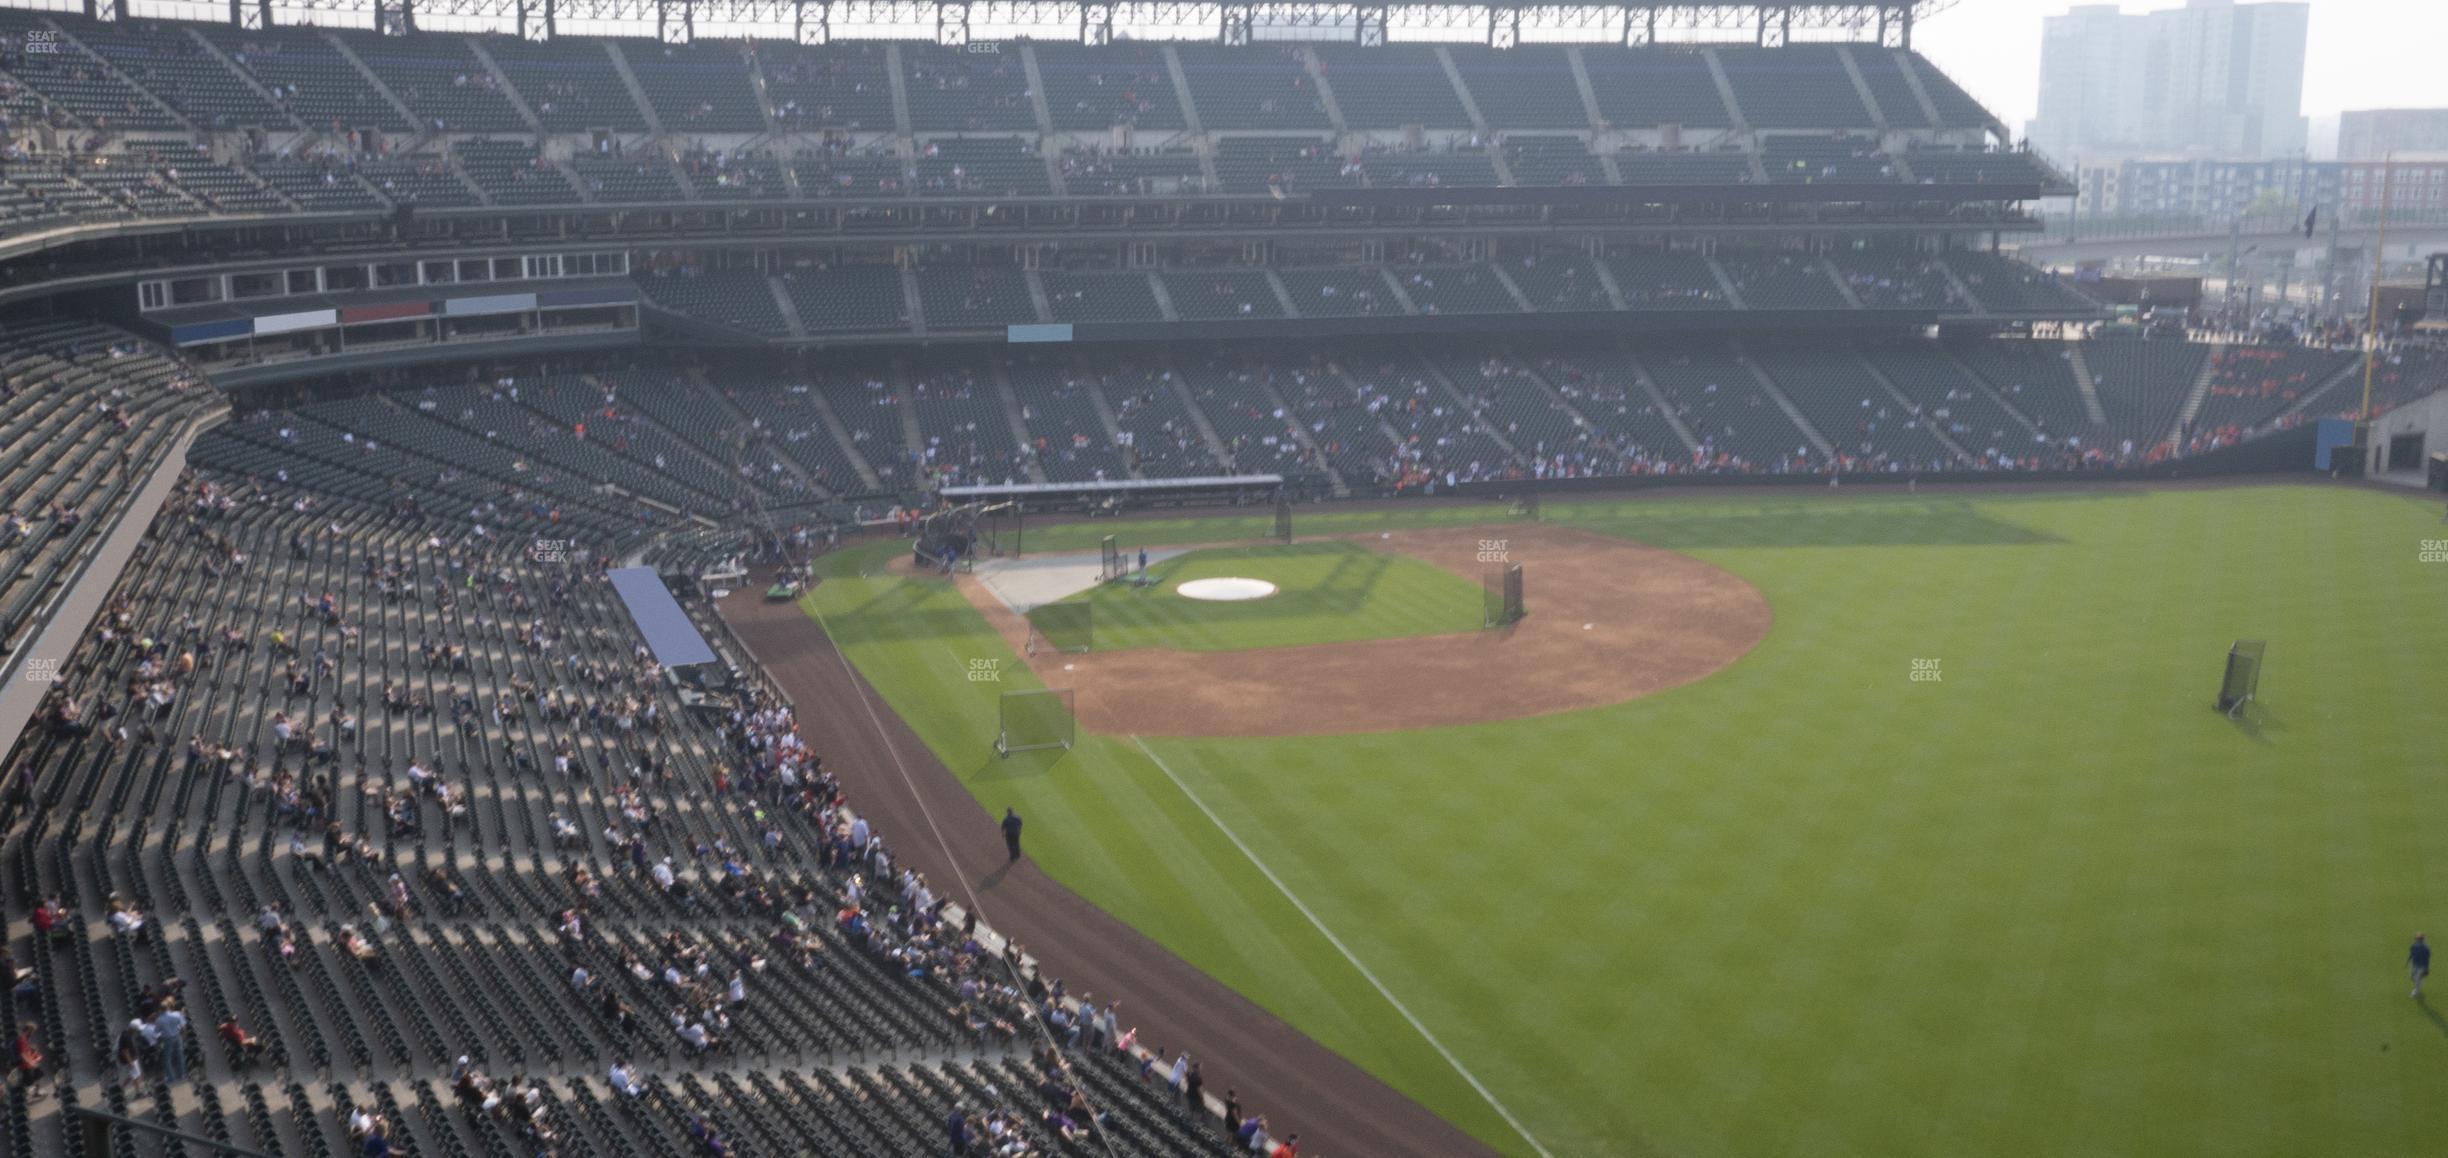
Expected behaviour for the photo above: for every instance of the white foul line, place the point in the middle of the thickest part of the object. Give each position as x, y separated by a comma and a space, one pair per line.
1337, 942
976, 906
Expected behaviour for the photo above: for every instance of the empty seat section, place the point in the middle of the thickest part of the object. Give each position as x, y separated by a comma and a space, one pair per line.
1836, 391
1526, 87
966, 298
954, 90
1628, 432
309, 78
1552, 160
696, 88
440, 80
70, 76
1717, 167
1560, 284
1818, 160
848, 297
1124, 83
1390, 86
2005, 285
1899, 281
1095, 173
1782, 281
1292, 164
988, 166
1455, 289
1100, 297
1338, 293
1667, 281
2037, 378
1257, 86
570, 85
842, 87
1211, 294
1733, 420
1059, 408
1799, 86
513, 173
1646, 87
167, 61
735, 298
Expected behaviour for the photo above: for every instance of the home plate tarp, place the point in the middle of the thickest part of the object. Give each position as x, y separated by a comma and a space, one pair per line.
667, 629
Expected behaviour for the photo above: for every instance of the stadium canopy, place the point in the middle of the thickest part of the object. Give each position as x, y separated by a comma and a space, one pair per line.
667, 629
954, 22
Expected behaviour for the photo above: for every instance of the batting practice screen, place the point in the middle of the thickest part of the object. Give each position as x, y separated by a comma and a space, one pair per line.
2243, 680
1500, 596
1109, 564
1062, 626
1036, 720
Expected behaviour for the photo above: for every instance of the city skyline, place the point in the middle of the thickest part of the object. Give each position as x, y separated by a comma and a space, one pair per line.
2360, 54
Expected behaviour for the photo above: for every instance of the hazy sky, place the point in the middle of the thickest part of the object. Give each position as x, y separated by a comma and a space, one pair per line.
2364, 54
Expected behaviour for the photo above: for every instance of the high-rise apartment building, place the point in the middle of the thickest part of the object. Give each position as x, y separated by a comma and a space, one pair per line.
2214, 77
2371, 134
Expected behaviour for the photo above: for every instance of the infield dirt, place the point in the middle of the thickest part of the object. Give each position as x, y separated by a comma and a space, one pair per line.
1609, 620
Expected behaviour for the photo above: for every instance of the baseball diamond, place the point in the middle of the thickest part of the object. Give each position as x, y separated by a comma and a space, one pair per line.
1826, 793
1647, 579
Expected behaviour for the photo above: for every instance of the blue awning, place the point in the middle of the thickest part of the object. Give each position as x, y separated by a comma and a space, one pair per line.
658, 616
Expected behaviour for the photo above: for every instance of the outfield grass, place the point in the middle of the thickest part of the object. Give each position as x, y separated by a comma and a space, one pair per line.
1329, 592
2050, 904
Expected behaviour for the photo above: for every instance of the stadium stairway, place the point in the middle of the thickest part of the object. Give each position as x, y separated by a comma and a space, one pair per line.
1783, 402
2085, 383
2195, 396
1936, 430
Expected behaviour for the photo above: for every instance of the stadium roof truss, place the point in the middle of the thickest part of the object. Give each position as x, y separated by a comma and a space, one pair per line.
955, 22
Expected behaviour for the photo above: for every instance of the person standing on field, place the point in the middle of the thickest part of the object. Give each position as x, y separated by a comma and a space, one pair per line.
2418, 963
1011, 833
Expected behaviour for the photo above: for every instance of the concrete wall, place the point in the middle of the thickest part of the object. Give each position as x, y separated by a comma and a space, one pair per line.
2427, 417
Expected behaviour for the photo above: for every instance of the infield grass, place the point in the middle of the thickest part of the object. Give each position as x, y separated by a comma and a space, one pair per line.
1329, 592
2049, 904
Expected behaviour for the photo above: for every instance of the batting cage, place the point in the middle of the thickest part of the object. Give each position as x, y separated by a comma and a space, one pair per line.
1109, 564
2243, 679
1035, 720
1500, 596
1061, 627
1283, 520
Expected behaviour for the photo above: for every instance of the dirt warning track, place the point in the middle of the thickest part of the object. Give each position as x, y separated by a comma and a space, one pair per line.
1338, 1109
1609, 620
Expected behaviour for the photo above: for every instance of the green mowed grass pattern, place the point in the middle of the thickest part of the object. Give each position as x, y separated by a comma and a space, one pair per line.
1331, 592
2049, 904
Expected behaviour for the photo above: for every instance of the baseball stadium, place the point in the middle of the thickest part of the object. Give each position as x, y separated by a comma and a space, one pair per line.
709, 579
